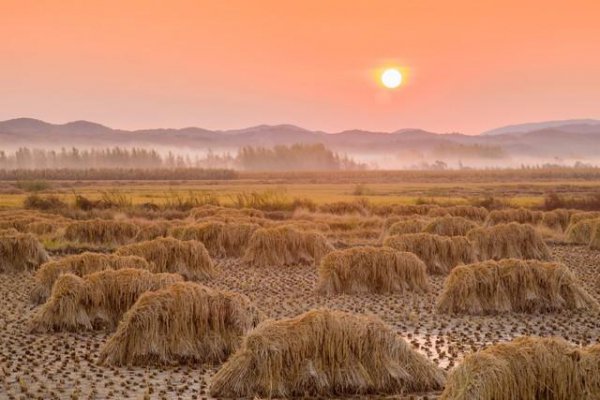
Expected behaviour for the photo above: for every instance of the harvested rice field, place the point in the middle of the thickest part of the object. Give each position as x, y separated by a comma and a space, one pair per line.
254, 319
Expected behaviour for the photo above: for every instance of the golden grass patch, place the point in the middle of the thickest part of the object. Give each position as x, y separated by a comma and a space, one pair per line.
450, 226
519, 215
101, 231
220, 239
511, 240
20, 252
581, 232
477, 214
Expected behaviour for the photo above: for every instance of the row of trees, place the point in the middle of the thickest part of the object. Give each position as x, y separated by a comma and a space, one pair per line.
297, 157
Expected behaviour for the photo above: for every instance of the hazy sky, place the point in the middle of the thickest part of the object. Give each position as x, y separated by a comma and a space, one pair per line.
471, 65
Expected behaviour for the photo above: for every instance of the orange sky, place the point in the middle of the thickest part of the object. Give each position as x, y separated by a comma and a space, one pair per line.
473, 65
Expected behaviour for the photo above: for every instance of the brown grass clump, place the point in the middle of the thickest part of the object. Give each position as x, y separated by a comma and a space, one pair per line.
188, 258
101, 231
285, 246
581, 231
580, 216
557, 220
509, 241
372, 269
440, 253
595, 240
407, 226
80, 265
220, 239
183, 322
324, 353
450, 226
519, 215
210, 211
20, 252
153, 230
95, 300
477, 214
528, 286
527, 368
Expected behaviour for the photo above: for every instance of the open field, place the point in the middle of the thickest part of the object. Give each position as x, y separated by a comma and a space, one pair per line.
273, 265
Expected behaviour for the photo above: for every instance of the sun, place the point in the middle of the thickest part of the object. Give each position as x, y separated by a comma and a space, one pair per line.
391, 78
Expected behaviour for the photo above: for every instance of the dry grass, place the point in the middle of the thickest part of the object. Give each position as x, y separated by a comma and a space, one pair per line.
101, 231
153, 230
519, 215
96, 300
188, 258
450, 226
406, 226
477, 214
509, 241
580, 216
220, 239
528, 286
595, 238
285, 246
557, 220
324, 353
581, 232
440, 253
372, 269
80, 265
20, 252
183, 322
527, 368
210, 211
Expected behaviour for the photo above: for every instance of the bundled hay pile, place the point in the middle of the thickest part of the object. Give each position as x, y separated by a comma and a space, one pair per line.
406, 226
372, 269
185, 321
101, 231
519, 215
477, 214
324, 353
98, 299
188, 258
580, 216
220, 239
580, 232
153, 230
509, 241
80, 265
20, 252
557, 220
595, 240
304, 225
285, 246
528, 286
450, 226
409, 209
440, 253
527, 368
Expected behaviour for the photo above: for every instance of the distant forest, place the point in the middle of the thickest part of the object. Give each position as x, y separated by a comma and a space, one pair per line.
298, 157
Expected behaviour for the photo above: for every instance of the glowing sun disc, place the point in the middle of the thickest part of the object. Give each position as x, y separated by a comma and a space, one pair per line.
391, 78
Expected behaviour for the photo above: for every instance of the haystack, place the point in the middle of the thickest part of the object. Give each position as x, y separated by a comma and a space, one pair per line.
96, 300
519, 215
509, 241
580, 216
406, 226
557, 220
188, 258
450, 226
101, 231
324, 353
372, 269
581, 232
183, 322
595, 240
80, 265
153, 230
528, 286
210, 211
20, 252
477, 214
220, 239
527, 368
440, 253
285, 246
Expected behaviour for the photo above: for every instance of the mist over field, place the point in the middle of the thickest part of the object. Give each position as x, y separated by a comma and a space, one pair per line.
287, 147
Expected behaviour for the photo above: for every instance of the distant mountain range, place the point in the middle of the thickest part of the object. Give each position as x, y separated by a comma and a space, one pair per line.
552, 141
